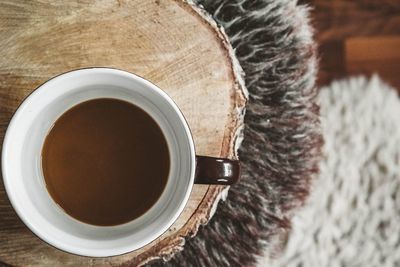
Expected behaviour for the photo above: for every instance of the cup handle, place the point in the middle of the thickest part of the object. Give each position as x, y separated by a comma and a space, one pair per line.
211, 170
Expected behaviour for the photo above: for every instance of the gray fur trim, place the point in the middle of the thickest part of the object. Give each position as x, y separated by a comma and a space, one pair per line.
282, 138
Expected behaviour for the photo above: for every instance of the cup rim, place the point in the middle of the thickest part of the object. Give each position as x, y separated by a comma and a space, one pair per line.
103, 252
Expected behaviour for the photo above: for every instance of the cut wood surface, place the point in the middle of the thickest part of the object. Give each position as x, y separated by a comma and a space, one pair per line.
169, 42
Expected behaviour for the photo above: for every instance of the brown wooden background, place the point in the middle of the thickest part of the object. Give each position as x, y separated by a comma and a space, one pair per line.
357, 37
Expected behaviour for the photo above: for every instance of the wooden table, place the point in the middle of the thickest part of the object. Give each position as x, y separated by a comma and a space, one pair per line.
357, 38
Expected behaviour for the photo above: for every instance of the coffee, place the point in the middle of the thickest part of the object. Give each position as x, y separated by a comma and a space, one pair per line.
105, 162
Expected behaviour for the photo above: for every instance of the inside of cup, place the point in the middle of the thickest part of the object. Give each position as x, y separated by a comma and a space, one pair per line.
23, 172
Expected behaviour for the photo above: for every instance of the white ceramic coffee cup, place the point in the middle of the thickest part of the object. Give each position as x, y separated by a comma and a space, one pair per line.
22, 171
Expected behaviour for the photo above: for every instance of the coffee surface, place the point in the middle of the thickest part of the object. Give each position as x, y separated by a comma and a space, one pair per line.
105, 162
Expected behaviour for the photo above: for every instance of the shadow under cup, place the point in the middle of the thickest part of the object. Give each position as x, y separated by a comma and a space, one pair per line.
22, 169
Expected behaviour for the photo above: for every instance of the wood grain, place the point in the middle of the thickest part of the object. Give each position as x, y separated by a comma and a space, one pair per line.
167, 42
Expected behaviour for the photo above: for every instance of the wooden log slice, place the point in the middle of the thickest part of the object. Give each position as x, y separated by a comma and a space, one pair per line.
169, 42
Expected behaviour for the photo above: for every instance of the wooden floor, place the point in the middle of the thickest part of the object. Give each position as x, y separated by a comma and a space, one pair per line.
357, 37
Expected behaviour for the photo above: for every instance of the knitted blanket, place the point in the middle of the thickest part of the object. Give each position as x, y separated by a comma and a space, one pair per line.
352, 216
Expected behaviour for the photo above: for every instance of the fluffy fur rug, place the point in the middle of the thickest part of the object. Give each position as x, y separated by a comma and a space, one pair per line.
352, 217
282, 140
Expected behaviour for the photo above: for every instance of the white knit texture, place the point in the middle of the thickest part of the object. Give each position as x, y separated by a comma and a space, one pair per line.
352, 217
